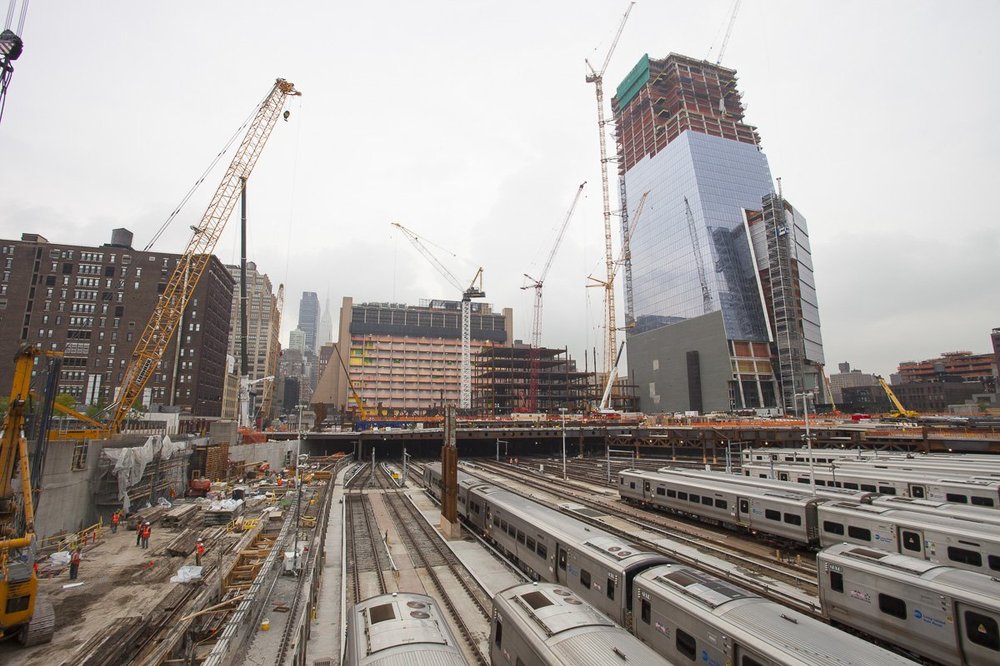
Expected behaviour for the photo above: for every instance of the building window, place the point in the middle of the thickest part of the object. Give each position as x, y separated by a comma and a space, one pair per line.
80, 456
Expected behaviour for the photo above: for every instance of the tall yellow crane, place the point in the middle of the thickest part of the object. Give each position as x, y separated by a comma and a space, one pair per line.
901, 412
536, 319
597, 78
182, 282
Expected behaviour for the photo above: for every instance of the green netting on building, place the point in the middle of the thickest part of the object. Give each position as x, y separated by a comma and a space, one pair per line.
634, 82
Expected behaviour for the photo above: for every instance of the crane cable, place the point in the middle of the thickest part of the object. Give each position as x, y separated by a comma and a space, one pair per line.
203, 176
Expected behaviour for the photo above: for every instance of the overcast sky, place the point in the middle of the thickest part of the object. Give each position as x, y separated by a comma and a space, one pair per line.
471, 123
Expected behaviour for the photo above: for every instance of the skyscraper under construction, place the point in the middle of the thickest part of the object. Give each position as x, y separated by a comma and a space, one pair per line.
719, 292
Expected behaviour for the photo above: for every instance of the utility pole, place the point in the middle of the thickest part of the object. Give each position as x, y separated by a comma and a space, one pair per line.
449, 478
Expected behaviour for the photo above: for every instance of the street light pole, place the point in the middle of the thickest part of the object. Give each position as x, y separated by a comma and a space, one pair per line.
298, 490
562, 411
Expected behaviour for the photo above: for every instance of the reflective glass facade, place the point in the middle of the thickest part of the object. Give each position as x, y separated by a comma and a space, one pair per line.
719, 178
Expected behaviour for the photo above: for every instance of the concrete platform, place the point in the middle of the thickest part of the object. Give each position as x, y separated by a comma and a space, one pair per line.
326, 638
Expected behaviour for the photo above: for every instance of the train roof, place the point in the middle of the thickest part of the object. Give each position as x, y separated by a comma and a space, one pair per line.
711, 485
404, 621
936, 507
928, 476
763, 624
938, 578
948, 522
790, 486
574, 631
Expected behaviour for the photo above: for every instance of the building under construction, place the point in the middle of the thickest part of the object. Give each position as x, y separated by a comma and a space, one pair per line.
502, 383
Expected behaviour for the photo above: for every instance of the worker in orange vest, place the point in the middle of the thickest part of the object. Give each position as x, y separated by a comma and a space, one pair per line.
146, 531
74, 564
199, 550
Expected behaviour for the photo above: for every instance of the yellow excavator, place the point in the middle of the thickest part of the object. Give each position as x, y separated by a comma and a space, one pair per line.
901, 412
22, 611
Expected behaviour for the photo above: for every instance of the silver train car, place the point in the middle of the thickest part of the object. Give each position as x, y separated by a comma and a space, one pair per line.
937, 508
976, 492
552, 546
937, 612
958, 542
767, 454
789, 516
687, 615
548, 624
400, 629
823, 492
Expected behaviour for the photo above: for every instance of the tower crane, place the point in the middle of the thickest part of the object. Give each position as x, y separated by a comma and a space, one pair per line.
729, 30
706, 293
11, 46
609, 284
474, 290
597, 78
184, 280
536, 320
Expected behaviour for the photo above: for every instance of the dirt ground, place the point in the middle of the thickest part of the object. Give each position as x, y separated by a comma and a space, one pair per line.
118, 580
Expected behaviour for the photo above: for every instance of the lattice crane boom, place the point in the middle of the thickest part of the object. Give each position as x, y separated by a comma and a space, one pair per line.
706, 293
474, 290
626, 245
597, 78
184, 280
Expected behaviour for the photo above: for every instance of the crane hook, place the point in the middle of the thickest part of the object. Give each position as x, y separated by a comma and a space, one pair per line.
286, 114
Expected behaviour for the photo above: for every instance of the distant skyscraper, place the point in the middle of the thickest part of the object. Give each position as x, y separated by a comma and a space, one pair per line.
297, 340
309, 318
324, 333
720, 297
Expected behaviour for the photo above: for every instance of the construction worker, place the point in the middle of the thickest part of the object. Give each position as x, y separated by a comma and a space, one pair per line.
74, 564
115, 519
199, 550
138, 533
146, 531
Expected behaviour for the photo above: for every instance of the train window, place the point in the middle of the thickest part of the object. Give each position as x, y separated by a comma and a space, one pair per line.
887, 490
793, 519
542, 550
562, 559
917, 491
982, 501
682, 495
496, 521
511, 530
632, 485
721, 504
851, 486
694, 498
954, 497
860, 533
518, 662
892, 606
530, 544
611, 588
660, 490
621, 480
646, 486
820, 482
585, 578
965, 556
832, 527
911, 541
994, 561
520, 537
771, 514
783, 476
867, 487
671, 493
381, 613
645, 612
498, 634
686, 644
707, 501
982, 630
750, 661
763, 476
803, 479
744, 506
837, 581
503, 525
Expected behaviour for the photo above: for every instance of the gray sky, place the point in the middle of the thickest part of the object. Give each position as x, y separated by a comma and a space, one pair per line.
470, 122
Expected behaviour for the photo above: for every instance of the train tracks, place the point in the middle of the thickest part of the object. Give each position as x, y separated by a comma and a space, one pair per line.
366, 556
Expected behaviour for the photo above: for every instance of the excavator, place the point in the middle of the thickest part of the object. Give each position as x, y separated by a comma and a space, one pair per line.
901, 412
23, 613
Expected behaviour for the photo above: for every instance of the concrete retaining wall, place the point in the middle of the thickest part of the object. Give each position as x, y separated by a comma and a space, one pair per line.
66, 502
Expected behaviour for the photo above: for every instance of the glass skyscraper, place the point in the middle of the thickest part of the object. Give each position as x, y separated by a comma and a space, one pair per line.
704, 278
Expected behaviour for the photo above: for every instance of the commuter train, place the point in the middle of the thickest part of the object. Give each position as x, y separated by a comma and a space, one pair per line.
796, 516
780, 455
823, 492
613, 576
548, 624
977, 492
400, 628
937, 612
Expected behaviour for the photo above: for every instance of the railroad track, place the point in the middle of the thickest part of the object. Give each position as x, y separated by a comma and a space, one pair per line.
365, 554
423, 541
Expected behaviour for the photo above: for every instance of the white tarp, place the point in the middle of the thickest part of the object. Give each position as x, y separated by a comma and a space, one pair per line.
186, 574
225, 505
130, 463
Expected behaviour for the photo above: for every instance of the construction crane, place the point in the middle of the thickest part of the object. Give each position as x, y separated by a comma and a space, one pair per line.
612, 376
609, 284
706, 293
536, 319
182, 282
11, 46
22, 612
474, 290
729, 30
901, 412
597, 78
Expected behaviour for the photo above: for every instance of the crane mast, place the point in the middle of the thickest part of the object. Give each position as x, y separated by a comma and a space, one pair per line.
536, 320
597, 78
184, 280
474, 290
